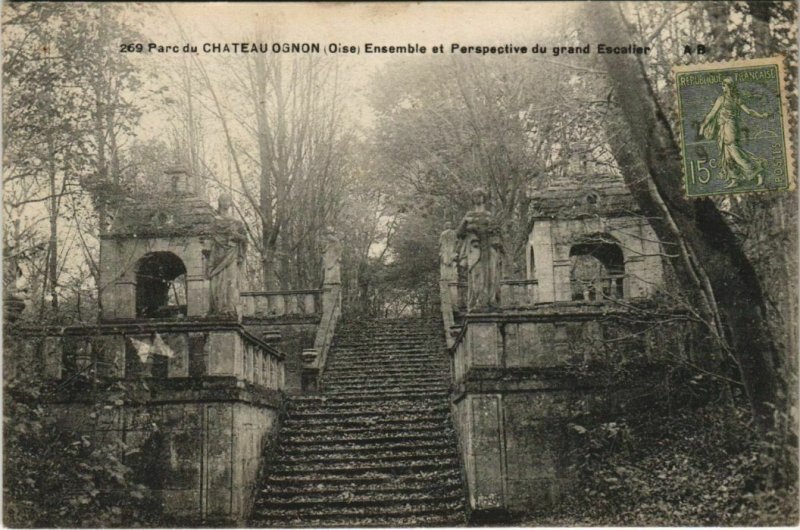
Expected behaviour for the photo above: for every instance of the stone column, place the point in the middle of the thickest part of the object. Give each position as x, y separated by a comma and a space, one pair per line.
331, 310
480, 238
332, 259
448, 266
448, 273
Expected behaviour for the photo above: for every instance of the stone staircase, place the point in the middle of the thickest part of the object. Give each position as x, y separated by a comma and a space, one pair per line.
376, 447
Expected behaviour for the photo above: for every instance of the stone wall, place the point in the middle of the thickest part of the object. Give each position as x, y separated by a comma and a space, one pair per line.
520, 378
195, 405
199, 460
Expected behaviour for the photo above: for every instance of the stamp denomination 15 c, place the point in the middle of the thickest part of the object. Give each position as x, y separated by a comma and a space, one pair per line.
734, 131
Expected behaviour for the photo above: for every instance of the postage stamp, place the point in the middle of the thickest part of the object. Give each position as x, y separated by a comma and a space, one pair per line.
734, 128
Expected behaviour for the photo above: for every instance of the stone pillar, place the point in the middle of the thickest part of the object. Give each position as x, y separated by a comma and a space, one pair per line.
481, 244
123, 305
448, 255
180, 180
331, 311
561, 280
448, 273
332, 259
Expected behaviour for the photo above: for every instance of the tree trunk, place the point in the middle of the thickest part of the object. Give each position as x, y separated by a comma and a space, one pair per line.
52, 248
268, 226
706, 250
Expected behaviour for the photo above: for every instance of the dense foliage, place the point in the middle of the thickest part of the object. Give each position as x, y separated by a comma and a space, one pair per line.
691, 467
56, 477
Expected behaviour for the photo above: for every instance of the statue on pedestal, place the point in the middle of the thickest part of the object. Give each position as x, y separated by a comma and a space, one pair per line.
481, 245
225, 263
332, 258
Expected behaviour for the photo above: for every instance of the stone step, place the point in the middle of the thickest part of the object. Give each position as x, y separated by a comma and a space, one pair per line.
365, 521
364, 479
374, 375
306, 451
442, 485
368, 500
328, 424
346, 408
388, 349
424, 392
366, 419
397, 338
379, 474
372, 350
389, 324
392, 510
384, 456
382, 385
373, 366
368, 403
405, 427
398, 356
397, 467
368, 333
399, 342
374, 438
396, 390
395, 367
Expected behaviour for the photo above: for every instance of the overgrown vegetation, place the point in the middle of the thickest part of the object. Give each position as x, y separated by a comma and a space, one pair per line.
691, 467
57, 477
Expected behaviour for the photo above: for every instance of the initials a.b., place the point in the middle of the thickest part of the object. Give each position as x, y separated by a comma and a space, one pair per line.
700, 49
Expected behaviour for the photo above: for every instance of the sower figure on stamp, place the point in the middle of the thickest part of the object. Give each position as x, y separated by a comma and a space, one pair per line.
481, 244
722, 123
225, 263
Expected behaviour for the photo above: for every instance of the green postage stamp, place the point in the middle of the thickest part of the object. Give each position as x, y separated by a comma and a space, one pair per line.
734, 131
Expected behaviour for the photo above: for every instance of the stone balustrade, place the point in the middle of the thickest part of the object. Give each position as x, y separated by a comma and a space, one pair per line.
276, 304
518, 293
597, 289
159, 350
514, 294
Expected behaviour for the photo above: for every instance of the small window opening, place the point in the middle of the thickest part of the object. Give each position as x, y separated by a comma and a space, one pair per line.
160, 286
531, 263
597, 270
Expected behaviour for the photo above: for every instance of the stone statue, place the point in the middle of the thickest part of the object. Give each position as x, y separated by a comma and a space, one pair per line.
448, 253
17, 299
224, 203
481, 245
332, 258
225, 262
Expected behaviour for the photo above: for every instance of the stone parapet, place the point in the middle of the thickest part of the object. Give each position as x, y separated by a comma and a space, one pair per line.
289, 304
157, 350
